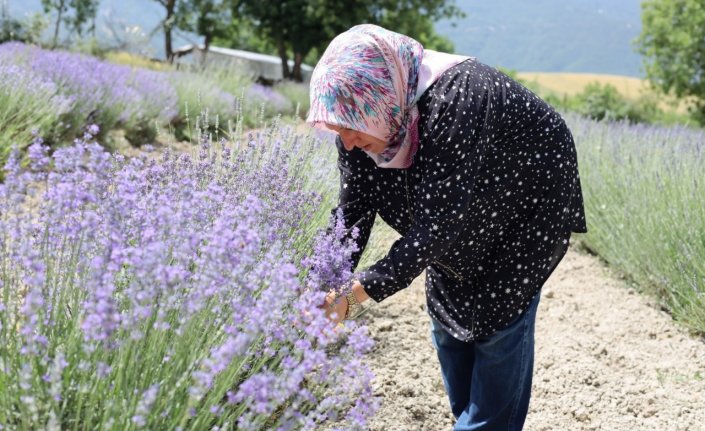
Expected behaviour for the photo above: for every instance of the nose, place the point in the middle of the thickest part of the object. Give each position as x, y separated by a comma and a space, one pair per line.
346, 143
348, 140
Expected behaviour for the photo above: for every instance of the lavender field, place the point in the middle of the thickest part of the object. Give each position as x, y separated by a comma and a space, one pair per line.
182, 290
55, 94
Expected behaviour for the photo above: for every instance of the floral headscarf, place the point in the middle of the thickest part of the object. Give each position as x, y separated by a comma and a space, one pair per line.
369, 80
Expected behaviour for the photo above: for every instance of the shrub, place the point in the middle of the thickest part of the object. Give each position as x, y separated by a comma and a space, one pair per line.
175, 294
298, 94
601, 102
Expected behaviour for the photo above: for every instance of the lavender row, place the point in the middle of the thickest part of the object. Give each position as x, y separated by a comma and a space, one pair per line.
644, 188
179, 293
88, 90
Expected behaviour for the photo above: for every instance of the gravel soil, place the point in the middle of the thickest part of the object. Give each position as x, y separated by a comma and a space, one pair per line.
606, 359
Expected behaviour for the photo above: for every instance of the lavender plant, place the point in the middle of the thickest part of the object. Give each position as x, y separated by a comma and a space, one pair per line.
297, 94
28, 104
107, 94
268, 100
644, 189
175, 293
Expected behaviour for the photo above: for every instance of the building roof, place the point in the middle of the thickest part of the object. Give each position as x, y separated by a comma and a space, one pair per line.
237, 53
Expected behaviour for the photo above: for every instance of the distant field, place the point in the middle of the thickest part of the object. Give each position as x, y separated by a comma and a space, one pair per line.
573, 83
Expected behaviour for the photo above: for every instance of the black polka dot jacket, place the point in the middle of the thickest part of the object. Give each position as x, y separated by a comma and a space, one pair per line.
487, 207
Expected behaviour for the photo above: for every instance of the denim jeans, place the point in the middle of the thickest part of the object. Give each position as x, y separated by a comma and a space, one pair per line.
489, 380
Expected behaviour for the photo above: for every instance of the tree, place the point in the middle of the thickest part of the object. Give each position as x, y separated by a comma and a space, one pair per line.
415, 18
207, 18
61, 7
672, 42
83, 11
168, 24
10, 28
299, 27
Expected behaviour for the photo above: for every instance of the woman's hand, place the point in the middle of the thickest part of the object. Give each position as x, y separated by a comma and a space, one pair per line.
336, 306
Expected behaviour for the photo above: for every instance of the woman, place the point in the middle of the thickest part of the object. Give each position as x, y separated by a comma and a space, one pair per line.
480, 178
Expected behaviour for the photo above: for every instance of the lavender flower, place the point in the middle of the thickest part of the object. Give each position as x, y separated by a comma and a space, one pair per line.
182, 275
332, 254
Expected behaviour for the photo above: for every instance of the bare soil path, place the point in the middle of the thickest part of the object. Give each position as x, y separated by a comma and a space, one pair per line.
606, 359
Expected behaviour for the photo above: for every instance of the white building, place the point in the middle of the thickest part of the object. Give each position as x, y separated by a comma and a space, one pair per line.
267, 67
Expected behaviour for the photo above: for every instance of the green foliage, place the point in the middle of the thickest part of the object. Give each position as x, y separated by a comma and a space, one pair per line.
28, 30
302, 27
84, 12
206, 18
297, 93
11, 29
242, 33
416, 18
672, 42
25, 108
227, 97
603, 102
74, 13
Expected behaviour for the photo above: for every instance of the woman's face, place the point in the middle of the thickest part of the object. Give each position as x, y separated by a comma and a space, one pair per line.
353, 138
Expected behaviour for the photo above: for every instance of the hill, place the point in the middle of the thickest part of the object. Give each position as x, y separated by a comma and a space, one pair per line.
593, 36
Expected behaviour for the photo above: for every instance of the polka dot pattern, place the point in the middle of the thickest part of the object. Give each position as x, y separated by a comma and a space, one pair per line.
487, 207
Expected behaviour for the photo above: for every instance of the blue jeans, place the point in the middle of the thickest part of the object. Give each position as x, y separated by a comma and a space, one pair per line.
489, 380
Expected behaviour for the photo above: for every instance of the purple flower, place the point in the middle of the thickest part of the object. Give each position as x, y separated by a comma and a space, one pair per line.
330, 266
197, 266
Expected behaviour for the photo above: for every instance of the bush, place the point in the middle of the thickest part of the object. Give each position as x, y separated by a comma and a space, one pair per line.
298, 94
605, 103
102, 93
176, 294
601, 102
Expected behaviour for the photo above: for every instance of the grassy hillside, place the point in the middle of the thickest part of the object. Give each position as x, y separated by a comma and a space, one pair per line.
593, 36
570, 84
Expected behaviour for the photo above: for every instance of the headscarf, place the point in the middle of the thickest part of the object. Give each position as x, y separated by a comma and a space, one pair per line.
369, 80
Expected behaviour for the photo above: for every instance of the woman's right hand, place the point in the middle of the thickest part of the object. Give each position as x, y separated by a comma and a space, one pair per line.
335, 307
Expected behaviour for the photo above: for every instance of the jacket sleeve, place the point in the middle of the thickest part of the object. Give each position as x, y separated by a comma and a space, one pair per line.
355, 198
449, 159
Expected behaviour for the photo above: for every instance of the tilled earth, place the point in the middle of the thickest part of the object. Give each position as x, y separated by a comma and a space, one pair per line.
606, 359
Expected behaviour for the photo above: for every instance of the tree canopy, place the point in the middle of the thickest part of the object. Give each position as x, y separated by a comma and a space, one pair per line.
74, 13
672, 42
303, 28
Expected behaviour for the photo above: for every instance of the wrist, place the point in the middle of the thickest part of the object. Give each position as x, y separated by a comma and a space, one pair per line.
354, 298
359, 292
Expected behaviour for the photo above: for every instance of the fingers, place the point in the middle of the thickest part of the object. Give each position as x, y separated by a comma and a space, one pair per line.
335, 307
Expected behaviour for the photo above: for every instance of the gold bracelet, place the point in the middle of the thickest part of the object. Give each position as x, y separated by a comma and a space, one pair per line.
354, 307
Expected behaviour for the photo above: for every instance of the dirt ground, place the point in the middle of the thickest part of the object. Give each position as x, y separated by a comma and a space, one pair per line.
606, 359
